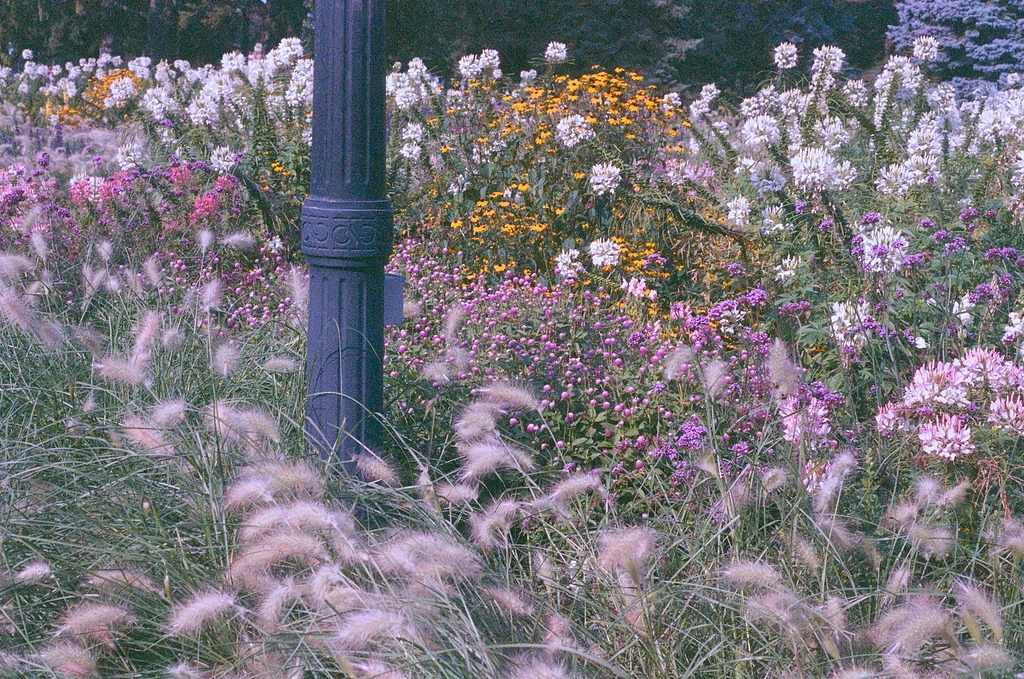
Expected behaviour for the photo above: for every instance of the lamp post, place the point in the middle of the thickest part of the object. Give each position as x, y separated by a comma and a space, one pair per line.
347, 229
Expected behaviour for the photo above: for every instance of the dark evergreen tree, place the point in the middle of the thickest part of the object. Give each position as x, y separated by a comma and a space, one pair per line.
979, 41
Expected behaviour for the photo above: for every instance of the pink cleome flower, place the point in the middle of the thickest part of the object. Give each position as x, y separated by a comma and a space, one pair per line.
1007, 412
804, 423
938, 384
987, 368
947, 437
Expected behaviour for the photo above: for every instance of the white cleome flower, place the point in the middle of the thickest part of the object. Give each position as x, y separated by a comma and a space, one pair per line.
814, 169
572, 130
884, 250
925, 49
785, 55
120, 93
567, 263
604, 252
739, 211
556, 53
846, 321
605, 178
222, 159
787, 268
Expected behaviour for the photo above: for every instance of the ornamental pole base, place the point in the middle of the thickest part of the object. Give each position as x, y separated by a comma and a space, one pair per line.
346, 245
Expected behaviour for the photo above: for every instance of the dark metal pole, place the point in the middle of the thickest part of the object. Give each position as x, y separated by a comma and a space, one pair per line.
347, 229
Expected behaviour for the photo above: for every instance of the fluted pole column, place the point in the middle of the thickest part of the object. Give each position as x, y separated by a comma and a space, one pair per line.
347, 229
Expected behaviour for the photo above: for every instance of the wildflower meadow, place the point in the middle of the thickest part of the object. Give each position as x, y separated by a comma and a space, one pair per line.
705, 387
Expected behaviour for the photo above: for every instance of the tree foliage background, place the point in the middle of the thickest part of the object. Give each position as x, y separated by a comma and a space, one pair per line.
675, 42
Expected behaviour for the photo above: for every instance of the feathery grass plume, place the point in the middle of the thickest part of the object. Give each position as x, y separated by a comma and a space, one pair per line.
153, 272
905, 629
120, 370
933, 541
974, 601
774, 478
271, 610
478, 420
783, 373
251, 569
714, 377
105, 251
37, 241
836, 532
456, 494
1010, 538
437, 371
452, 320
490, 527
69, 661
508, 602
11, 663
298, 287
558, 635
225, 359
827, 491
301, 515
92, 281
853, 674
374, 669
256, 423
169, 413
460, 359
955, 495
510, 396
249, 491
927, 491
14, 267
330, 592
119, 581
897, 586
273, 481
280, 364
209, 296
572, 487
147, 436
358, 630
17, 312
146, 333
678, 362
537, 668
373, 468
484, 457
412, 308
804, 553
902, 516
172, 339
429, 558
781, 609
200, 611
746, 574
987, 657
225, 420
626, 550
37, 571
204, 239
91, 340
897, 668
239, 240
52, 335
96, 622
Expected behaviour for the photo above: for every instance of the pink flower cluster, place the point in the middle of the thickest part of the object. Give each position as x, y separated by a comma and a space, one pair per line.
945, 399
